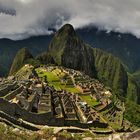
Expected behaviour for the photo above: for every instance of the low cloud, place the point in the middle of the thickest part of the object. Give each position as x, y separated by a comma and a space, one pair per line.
23, 18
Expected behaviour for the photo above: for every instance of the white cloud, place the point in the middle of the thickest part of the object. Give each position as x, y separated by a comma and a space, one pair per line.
34, 17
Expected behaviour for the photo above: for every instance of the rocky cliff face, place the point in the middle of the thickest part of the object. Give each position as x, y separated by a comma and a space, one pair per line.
67, 49
22, 56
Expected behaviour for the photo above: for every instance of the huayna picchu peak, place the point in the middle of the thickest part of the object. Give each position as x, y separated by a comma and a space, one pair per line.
67, 30
70, 91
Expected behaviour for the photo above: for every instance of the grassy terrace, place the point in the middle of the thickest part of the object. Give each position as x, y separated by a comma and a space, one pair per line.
89, 100
54, 80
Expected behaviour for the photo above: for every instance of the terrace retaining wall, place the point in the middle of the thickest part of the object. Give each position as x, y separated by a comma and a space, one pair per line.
12, 94
4, 91
16, 111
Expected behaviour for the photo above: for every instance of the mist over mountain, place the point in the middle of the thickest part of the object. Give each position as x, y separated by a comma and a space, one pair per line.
35, 17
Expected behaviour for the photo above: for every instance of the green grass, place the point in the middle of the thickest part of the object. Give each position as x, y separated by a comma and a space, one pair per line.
68, 88
115, 126
132, 89
53, 80
24, 72
72, 89
57, 71
50, 76
56, 85
136, 75
132, 112
89, 100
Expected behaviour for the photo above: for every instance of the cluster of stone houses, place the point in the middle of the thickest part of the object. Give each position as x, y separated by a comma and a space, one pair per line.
92, 87
34, 101
33, 98
63, 108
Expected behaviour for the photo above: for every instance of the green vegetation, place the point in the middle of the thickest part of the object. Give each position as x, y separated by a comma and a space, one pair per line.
33, 62
136, 76
132, 112
20, 59
115, 126
110, 71
71, 89
132, 89
9, 133
58, 43
64, 135
24, 72
50, 76
46, 58
54, 80
90, 101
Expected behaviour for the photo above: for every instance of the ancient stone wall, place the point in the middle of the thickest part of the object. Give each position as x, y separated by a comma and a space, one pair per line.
13, 121
15, 111
12, 94
107, 107
76, 123
7, 107
4, 90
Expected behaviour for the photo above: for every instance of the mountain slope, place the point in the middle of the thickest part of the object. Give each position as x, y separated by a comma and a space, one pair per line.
22, 56
124, 46
9, 48
134, 87
110, 71
67, 49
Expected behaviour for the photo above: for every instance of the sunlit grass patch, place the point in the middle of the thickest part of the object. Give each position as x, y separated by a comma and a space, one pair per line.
89, 100
54, 80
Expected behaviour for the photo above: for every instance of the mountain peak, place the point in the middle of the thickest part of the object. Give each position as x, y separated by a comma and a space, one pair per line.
67, 49
67, 29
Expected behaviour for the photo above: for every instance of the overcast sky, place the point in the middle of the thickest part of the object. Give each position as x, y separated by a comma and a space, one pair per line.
23, 18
